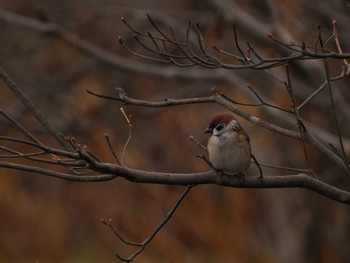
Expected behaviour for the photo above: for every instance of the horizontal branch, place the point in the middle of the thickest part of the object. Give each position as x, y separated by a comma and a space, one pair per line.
59, 175
222, 100
217, 98
109, 171
285, 181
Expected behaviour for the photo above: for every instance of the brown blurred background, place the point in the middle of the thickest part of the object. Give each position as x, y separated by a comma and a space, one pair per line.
50, 220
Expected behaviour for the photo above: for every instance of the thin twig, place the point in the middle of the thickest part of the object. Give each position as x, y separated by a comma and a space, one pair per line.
20, 127
337, 42
335, 117
110, 147
205, 159
246, 60
258, 165
128, 120
298, 170
262, 102
22, 97
41, 146
301, 126
142, 246
116, 232
192, 139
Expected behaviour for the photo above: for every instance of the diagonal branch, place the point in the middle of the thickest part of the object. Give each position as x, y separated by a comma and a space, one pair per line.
142, 246
22, 97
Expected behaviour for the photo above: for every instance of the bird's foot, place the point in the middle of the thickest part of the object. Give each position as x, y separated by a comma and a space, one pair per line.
240, 176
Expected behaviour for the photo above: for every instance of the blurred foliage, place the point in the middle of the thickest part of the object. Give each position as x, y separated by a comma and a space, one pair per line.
48, 220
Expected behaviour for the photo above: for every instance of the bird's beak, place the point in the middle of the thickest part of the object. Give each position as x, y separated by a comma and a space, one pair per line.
208, 130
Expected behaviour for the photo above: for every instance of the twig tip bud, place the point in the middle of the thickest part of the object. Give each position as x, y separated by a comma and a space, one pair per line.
54, 157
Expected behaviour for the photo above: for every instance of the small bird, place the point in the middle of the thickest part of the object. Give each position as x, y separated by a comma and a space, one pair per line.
228, 146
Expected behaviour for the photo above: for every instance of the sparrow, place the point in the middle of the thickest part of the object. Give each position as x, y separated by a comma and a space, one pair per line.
228, 146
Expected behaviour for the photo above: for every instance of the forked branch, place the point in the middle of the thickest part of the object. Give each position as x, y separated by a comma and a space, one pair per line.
142, 245
186, 54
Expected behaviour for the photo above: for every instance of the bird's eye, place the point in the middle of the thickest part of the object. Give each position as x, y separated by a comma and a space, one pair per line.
219, 127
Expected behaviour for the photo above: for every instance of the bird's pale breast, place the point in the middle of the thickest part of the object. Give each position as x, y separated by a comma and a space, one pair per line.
230, 153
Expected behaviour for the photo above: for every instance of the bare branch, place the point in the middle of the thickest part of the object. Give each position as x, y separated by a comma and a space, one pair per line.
192, 139
128, 120
326, 68
222, 100
111, 149
298, 52
217, 98
32, 109
116, 232
59, 175
144, 244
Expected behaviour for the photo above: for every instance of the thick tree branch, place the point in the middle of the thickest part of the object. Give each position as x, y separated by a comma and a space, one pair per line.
109, 171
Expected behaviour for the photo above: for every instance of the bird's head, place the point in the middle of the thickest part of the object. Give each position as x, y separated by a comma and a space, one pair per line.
221, 123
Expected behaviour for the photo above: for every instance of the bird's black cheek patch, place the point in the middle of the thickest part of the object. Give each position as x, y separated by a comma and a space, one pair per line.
219, 127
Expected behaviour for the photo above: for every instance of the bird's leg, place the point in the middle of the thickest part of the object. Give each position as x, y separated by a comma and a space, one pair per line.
240, 176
